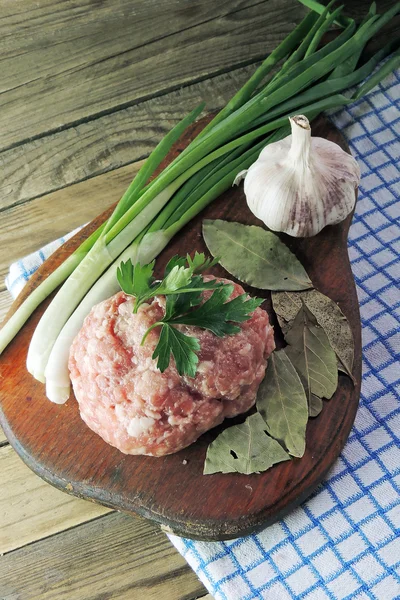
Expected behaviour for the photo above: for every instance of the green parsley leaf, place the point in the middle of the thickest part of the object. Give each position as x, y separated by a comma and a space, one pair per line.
216, 314
200, 263
183, 348
178, 277
197, 264
191, 296
183, 288
136, 280
240, 308
175, 261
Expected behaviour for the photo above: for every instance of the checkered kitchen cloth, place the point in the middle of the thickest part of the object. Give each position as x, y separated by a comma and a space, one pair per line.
344, 542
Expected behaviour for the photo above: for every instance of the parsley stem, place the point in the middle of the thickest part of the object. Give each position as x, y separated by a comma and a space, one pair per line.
157, 324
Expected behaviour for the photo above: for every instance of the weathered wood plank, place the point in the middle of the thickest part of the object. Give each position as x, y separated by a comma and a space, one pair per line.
109, 142
74, 154
53, 215
70, 64
112, 557
30, 32
31, 509
5, 303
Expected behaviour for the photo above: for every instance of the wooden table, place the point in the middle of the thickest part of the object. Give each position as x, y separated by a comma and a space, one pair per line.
87, 90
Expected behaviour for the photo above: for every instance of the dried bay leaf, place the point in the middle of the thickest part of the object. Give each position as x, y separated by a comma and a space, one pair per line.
315, 405
312, 355
329, 316
282, 403
244, 448
255, 256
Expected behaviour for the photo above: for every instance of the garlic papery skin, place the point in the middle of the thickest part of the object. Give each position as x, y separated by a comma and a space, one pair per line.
301, 183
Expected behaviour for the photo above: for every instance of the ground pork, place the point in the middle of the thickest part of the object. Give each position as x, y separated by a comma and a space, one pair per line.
125, 399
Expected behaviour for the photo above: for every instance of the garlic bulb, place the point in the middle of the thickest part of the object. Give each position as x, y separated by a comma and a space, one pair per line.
301, 183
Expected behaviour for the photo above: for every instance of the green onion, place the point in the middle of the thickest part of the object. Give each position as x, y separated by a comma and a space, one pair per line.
245, 93
350, 63
320, 8
326, 25
329, 87
154, 160
58, 276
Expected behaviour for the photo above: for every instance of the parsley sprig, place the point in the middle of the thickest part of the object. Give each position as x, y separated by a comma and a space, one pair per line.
183, 287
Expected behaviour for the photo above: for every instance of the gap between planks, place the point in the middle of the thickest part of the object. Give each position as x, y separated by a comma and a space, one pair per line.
49, 539
31, 509
107, 143
106, 59
112, 557
50, 217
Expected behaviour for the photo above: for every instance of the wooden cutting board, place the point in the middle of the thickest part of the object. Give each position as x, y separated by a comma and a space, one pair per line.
56, 444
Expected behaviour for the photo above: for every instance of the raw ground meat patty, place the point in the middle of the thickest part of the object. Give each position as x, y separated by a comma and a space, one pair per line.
124, 398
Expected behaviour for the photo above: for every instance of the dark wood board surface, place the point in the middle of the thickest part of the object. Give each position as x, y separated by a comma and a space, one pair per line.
58, 446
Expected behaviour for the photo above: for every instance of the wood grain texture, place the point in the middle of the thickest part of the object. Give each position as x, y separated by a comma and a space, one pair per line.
96, 145
73, 62
174, 494
51, 216
30, 509
66, 157
5, 303
114, 557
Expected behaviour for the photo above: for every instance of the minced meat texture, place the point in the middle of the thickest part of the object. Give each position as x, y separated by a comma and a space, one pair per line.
124, 398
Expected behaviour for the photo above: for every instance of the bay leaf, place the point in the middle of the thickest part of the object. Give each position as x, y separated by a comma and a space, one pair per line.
329, 316
244, 448
311, 353
255, 256
282, 403
315, 405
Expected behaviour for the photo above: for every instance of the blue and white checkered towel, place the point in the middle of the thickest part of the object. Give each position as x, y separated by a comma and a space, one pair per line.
344, 542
